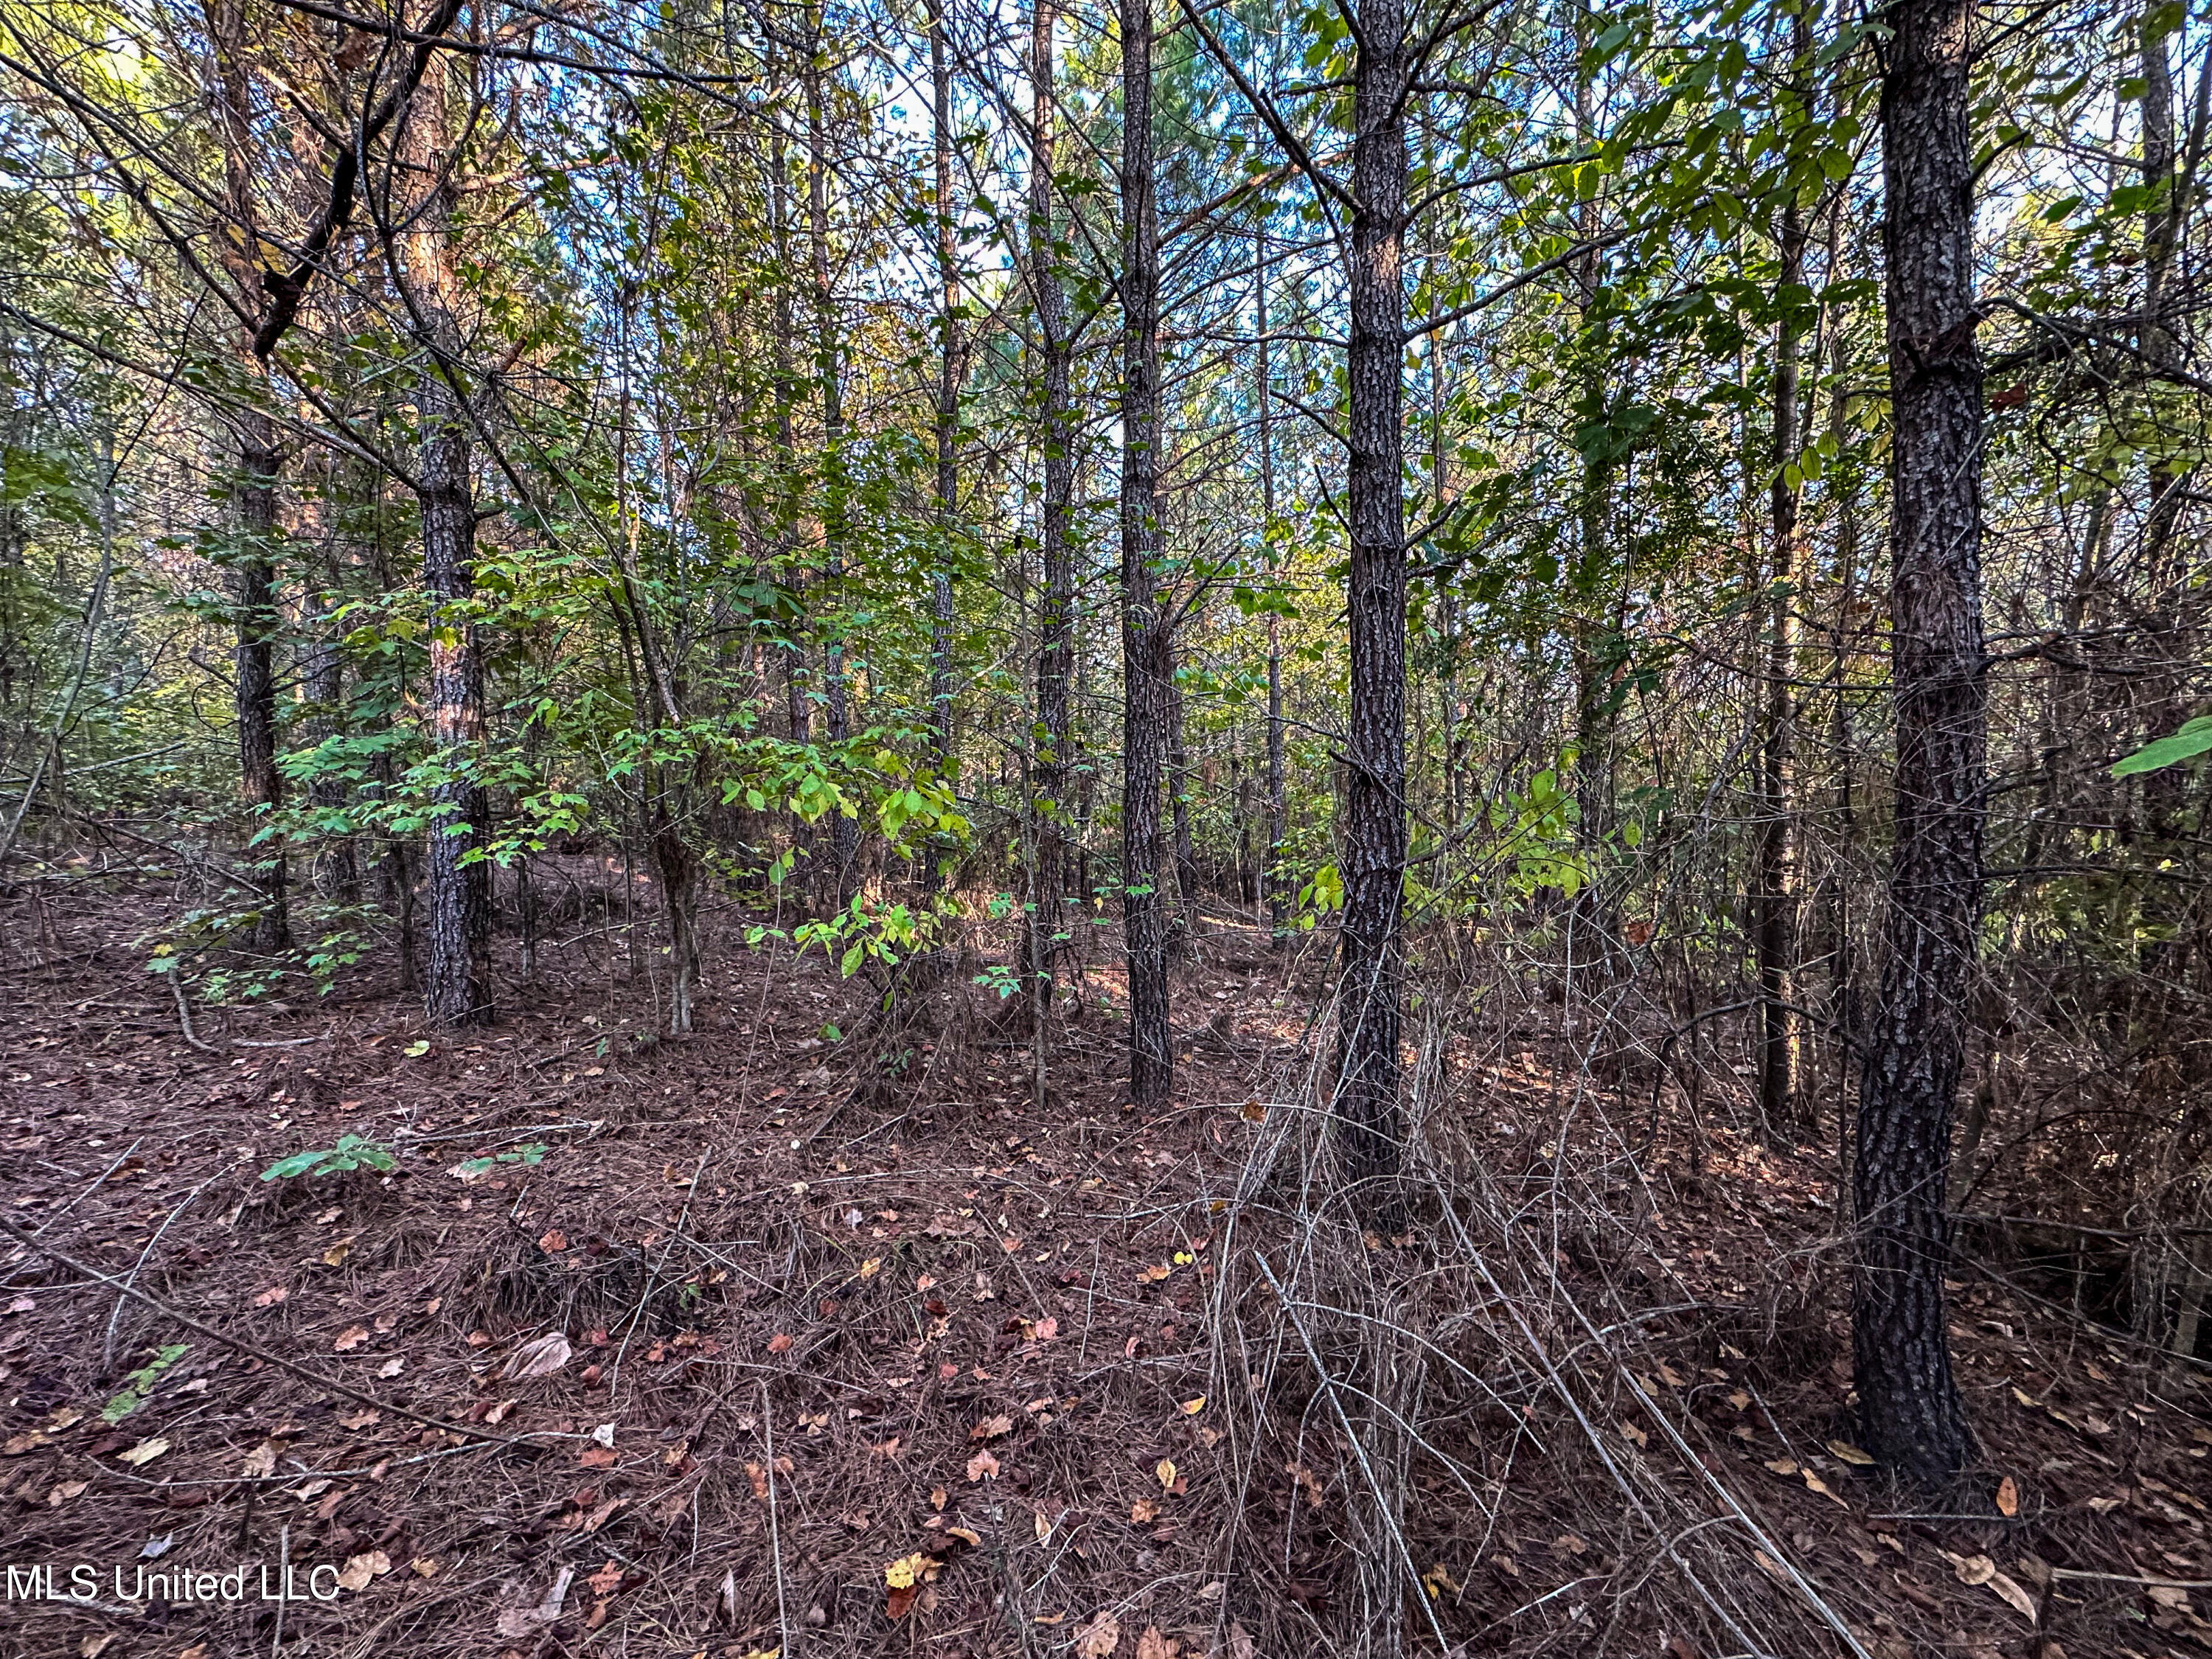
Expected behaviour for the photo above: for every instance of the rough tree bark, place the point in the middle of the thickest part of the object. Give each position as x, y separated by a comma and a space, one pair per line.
844, 836
254, 487
1913, 1419
1056, 550
1773, 895
1144, 632
948, 396
1368, 1118
457, 987
253, 498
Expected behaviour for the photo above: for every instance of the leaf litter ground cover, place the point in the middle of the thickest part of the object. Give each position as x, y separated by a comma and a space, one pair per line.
767, 1341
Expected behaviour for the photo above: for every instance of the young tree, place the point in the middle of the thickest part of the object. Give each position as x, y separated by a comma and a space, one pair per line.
1915, 1420
1144, 632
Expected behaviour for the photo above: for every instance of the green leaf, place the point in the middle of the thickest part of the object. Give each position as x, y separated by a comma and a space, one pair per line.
2194, 739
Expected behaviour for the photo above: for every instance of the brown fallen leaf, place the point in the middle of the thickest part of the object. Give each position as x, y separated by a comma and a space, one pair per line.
143, 1453
552, 1240
992, 1427
350, 1339
260, 1462
366, 1417
1153, 1645
1850, 1454
1047, 1328
1099, 1639
1165, 1470
982, 1467
271, 1297
62, 1493
780, 1343
1144, 1510
2008, 1497
391, 1367
541, 1356
360, 1569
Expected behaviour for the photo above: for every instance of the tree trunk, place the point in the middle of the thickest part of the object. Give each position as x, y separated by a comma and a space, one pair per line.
1278, 815
1774, 925
948, 399
1056, 550
254, 497
1186, 924
457, 988
1368, 1120
1144, 632
1914, 1419
844, 837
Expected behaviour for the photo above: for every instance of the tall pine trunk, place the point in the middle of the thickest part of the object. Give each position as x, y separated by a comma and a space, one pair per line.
1144, 632
456, 987
254, 500
1373, 855
844, 837
1914, 1419
1278, 814
1056, 611
1774, 921
948, 399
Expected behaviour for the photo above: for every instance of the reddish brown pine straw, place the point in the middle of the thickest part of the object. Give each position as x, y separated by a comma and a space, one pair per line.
836, 1330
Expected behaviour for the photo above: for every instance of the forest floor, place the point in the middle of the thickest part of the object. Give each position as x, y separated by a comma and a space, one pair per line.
814, 1334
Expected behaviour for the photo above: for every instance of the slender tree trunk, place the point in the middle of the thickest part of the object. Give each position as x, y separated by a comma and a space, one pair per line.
1056, 611
1773, 894
1369, 1121
1144, 632
253, 490
844, 836
1279, 813
792, 641
1914, 1419
254, 499
339, 874
948, 397
1592, 648
1186, 924
457, 989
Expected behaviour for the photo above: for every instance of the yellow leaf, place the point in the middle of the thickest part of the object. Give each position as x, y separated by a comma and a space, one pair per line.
143, 1453
871, 1266
1813, 1483
1850, 1454
1166, 1469
1193, 1407
907, 1571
